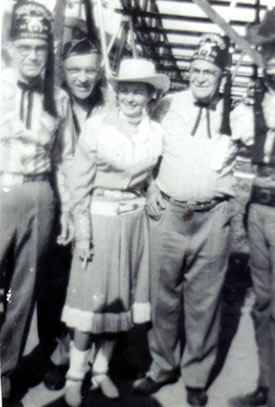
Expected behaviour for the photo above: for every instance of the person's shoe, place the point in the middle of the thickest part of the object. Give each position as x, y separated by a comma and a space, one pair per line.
106, 385
147, 385
55, 377
5, 387
73, 392
256, 398
10, 402
196, 396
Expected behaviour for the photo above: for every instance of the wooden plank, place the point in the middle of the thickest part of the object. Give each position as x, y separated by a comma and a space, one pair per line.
216, 3
166, 16
241, 42
168, 31
165, 45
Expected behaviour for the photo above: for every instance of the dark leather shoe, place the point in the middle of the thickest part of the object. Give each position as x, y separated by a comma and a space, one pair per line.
9, 402
196, 396
147, 385
256, 398
54, 378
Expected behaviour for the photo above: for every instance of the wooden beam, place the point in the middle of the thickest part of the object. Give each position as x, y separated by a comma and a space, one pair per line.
166, 45
216, 3
164, 16
179, 58
168, 31
241, 42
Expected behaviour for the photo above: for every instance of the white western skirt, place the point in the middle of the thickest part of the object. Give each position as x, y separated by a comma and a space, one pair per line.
112, 292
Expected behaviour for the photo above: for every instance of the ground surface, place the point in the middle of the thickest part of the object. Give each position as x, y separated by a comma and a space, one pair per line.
235, 372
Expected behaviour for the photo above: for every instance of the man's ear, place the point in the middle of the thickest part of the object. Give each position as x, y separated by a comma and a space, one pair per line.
10, 48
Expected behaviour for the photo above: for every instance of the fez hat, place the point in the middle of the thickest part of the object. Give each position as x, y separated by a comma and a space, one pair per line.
30, 20
143, 71
212, 48
81, 46
263, 33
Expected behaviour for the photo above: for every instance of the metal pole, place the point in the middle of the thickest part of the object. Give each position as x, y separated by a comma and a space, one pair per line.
115, 35
131, 25
103, 40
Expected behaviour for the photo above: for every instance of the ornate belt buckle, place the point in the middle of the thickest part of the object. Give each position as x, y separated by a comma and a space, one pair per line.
124, 207
188, 215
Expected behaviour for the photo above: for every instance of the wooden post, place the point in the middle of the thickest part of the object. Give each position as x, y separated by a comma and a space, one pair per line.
103, 40
132, 34
241, 42
58, 30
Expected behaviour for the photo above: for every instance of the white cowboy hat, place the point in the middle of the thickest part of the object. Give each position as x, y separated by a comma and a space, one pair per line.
140, 70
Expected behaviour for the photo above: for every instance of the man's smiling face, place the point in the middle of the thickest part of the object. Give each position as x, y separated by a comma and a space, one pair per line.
205, 79
81, 73
29, 57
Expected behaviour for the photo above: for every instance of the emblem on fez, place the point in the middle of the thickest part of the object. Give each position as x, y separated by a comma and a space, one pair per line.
206, 49
35, 24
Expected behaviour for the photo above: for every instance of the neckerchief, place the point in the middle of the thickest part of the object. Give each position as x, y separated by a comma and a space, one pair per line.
208, 107
29, 88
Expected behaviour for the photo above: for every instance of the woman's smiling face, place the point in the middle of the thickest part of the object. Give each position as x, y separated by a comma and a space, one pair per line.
133, 98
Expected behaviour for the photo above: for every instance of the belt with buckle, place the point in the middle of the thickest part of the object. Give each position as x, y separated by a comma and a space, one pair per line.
195, 205
264, 196
9, 179
114, 208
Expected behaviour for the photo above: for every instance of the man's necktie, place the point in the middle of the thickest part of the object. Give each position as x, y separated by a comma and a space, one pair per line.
30, 89
208, 107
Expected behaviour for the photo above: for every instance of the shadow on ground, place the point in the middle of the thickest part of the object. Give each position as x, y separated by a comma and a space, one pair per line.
132, 357
95, 398
235, 289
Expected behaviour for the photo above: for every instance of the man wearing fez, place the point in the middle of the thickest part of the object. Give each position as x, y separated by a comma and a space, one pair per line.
35, 141
190, 223
82, 82
261, 214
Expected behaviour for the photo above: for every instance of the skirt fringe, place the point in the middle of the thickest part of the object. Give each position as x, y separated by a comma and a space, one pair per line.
96, 322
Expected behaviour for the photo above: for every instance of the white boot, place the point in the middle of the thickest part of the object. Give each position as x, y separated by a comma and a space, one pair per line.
75, 376
106, 385
100, 376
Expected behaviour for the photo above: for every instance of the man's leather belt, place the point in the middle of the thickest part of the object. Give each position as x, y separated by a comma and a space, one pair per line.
264, 196
9, 179
195, 205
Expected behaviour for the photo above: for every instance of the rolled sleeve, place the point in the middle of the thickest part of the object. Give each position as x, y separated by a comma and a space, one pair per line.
242, 124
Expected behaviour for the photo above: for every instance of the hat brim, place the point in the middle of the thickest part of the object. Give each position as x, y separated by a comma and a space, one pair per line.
160, 82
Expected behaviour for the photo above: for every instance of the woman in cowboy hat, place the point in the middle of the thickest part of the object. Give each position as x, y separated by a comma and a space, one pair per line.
109, 282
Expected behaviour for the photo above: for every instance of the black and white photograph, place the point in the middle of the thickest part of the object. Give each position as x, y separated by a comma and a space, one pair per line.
137, 203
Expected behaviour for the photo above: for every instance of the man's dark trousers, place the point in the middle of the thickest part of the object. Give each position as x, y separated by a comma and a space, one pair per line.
26, 218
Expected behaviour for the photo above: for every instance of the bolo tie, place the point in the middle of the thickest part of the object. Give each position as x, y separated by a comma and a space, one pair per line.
208, 107
28, 89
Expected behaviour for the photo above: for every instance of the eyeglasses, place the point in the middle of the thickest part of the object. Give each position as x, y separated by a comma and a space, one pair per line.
25, 50
207, 73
